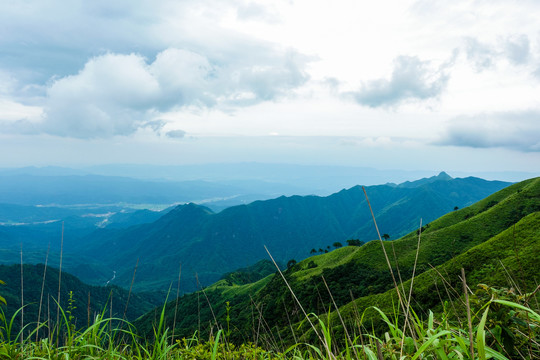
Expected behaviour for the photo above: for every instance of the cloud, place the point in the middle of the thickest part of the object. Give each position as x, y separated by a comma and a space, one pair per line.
176, 134
514, 48
481, 55
257, 12
536, 73
513, 130
411, 79
517, 49
116, 94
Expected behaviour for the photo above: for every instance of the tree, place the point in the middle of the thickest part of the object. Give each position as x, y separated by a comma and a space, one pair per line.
313, 251
337, 244
354, 242
291, 263
386, 236
456, 208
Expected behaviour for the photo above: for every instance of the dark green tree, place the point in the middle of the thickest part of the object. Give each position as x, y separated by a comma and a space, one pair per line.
291, 263
354, 242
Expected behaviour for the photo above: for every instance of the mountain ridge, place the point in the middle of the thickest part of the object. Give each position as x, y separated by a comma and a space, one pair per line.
288, 226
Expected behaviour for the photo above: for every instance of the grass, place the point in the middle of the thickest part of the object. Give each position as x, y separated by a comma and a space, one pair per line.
437, 337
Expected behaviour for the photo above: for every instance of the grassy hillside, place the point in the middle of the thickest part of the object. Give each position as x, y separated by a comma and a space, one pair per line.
495, 240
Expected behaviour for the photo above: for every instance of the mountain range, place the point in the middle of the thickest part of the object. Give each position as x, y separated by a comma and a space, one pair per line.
210, 244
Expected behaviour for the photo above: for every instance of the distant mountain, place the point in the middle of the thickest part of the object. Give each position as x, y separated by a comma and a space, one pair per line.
495, 240
39, 225
94, 189
320, 179
67, 187
211, 244
43, 171
38, 229
411, 184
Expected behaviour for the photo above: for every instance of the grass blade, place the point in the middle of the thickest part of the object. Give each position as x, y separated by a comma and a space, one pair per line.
481, 336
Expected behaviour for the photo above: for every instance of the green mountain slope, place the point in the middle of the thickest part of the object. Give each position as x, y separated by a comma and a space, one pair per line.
211, 244
494, 239
87, 300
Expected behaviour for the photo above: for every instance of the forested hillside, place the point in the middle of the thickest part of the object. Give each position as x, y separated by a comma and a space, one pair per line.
495, 240
40, 289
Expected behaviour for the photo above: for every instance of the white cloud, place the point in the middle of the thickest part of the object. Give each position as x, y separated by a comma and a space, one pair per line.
115, 94
252, 11
513, 48
412, 79
513, 130
112, 95
481, 55
517, 49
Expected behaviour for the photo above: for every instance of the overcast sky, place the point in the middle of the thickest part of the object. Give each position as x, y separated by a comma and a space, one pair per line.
442, 85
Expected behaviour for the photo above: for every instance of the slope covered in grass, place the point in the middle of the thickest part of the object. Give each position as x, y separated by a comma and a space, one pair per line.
509, 259
482, 238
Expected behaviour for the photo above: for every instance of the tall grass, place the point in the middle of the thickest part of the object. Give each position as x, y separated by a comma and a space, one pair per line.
442, 336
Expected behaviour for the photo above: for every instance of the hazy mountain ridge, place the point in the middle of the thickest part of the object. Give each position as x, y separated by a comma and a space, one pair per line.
211, 244
96, 189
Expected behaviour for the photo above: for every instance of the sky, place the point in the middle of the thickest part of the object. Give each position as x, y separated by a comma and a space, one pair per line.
427, 85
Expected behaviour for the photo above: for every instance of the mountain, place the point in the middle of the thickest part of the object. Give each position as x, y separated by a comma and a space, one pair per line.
495, 240
210, 244
25, 189
150, 187
38, 227
86, 301
411, 184
319, 179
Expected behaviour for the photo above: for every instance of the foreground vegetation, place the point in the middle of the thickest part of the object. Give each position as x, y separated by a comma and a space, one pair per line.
498, 328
